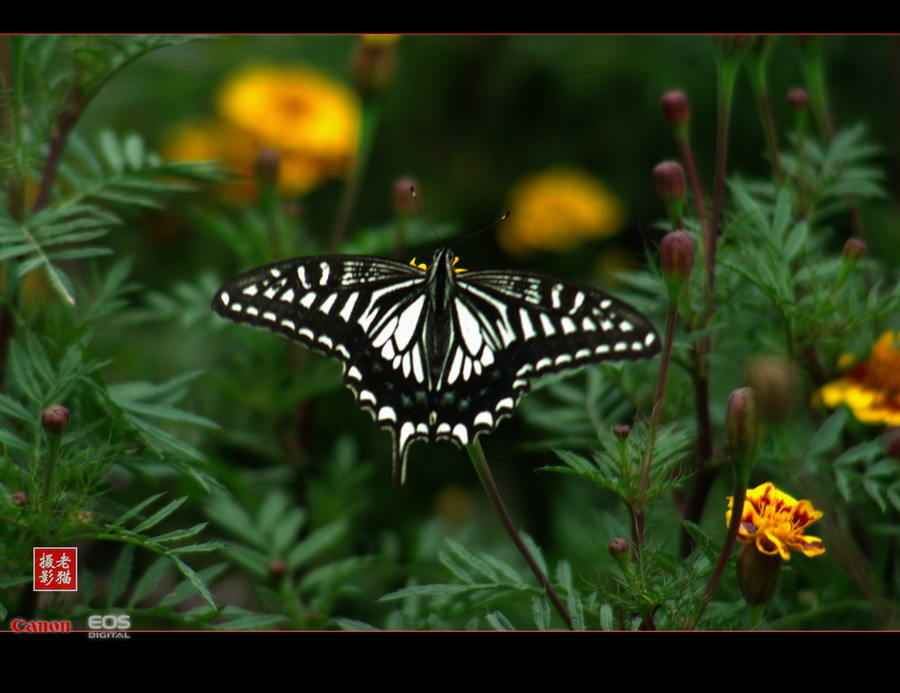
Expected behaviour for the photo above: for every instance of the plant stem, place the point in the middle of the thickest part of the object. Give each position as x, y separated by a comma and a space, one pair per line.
370, 113
487, 481
737, 508
644, 480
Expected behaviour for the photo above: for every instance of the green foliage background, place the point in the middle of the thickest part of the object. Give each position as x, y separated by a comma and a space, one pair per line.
217, 477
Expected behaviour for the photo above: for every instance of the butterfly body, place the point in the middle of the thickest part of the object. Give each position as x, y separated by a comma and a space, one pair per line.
436, 353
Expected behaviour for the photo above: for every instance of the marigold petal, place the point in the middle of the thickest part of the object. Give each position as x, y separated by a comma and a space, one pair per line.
808, 546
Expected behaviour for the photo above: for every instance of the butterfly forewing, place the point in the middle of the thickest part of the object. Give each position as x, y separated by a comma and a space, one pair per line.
434, 354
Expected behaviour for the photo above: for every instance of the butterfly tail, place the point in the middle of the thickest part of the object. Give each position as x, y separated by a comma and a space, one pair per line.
399, 465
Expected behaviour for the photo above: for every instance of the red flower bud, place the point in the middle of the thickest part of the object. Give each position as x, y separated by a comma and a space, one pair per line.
669, 180
675, 107
676, 256
798, 99
855, 249
55, 420
742, 426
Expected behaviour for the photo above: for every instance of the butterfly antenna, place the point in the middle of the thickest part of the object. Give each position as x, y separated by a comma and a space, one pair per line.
489, 226
415, 197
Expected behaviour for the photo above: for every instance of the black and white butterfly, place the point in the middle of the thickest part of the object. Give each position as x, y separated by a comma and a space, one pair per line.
436, 353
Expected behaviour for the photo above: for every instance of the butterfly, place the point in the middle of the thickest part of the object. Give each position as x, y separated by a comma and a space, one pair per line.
430, 351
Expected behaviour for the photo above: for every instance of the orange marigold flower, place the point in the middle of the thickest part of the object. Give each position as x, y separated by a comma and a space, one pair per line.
773, 520
871, 388
558, 210
311, 120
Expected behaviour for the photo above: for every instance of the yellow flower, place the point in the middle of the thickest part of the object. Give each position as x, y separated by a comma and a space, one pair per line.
311, 120
294, 109
558, 210
773, 520
871, 388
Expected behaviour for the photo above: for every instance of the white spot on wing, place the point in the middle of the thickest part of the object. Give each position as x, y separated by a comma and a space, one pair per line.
443, 428
620, 346
543, 363
288, 296
326, 341
328, 303
485, 418
226, 299
567, 325
606, 325
366, 396
387, 414
354, 373
288, 324
547, 326
301, 275
602, 349
554, 295
576, 304
461, 433
347, 310
605, 303
406, 432
455, 367
563, 358
469, 327
252, 310
385, 333
626, 326
588, 325
527, 329
251, 290
275, 272
409, 320
308, 300
323, 280
505, 403
306, 332
270, 316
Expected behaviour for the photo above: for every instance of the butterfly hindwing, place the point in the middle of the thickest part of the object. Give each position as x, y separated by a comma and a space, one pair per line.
433, 354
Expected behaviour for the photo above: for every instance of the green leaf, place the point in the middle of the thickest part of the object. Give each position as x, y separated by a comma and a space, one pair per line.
498, 621
316, 543
120, 575
828, 434
160, 515
148, 580
540, 610
195, 580
136, 510
606, 618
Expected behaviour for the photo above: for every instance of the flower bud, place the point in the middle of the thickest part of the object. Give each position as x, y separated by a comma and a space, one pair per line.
855, 250
267, 168
676, 257
402, 196
19, 498
675, 108
374, 63
277, 567
669, 179
622, 431
798, 99
743, 428
772, 378
55, 420
617, 547
757, 574
85, 517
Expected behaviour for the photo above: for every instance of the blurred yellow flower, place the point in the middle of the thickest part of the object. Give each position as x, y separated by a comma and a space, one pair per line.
311, 120
558, 210
773, 521
871, 388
